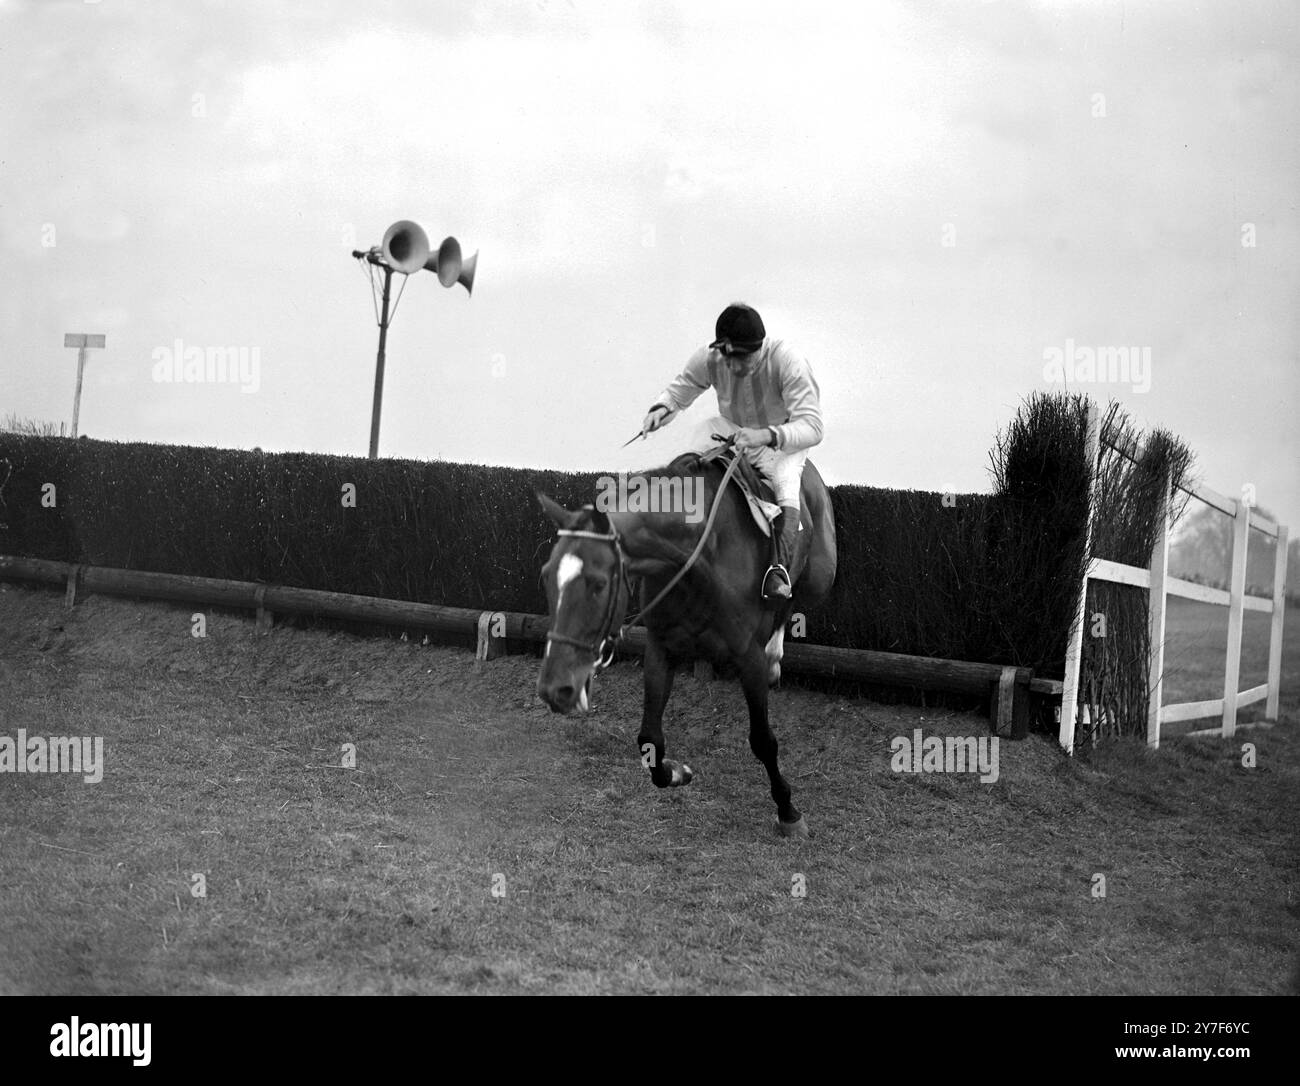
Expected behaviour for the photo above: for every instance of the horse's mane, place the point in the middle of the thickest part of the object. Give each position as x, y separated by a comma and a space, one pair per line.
685, 465
688, 463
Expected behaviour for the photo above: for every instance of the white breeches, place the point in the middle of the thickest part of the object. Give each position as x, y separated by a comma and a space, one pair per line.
784, 470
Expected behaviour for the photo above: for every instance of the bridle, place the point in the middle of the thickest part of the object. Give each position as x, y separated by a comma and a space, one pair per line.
607, 640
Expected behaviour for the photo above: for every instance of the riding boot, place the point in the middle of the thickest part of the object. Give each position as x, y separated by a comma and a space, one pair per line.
785, 534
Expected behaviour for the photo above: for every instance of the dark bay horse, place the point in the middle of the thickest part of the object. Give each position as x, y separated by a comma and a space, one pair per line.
714, 611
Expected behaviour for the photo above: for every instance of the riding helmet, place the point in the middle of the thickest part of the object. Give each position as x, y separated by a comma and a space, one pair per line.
740, 328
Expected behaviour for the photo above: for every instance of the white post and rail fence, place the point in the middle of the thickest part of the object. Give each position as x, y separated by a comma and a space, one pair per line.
1157, 580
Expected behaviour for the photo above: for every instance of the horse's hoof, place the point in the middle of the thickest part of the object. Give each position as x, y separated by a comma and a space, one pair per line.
793, 829
682, 775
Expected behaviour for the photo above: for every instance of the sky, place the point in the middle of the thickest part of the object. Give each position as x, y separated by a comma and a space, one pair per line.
931, 201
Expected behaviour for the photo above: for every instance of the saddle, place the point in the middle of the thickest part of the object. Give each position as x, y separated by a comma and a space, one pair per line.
758, 493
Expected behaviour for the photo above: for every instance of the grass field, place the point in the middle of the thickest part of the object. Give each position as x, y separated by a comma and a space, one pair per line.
1196, 642
220, 760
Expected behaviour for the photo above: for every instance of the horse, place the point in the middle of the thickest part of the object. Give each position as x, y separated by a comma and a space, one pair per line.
704, 593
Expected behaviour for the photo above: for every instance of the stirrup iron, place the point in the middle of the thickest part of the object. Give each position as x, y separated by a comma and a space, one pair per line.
776, 567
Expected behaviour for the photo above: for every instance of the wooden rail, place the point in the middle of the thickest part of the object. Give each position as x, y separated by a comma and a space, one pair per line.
1160, 585
1007, 687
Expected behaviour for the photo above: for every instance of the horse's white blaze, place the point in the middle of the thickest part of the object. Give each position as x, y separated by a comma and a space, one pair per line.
570, 567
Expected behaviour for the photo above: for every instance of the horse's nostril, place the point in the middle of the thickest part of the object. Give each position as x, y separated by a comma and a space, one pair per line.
558, 698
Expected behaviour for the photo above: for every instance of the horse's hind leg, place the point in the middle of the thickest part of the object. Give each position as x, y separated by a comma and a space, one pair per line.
753, 677
650, 740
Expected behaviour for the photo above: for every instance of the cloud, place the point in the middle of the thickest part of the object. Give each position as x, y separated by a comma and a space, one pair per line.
626, 169
98, 227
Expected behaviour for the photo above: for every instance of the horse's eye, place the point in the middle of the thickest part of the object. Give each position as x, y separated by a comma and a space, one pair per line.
599, 584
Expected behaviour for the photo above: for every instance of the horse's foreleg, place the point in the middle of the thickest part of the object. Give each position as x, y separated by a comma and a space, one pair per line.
650, 740
775, 648
753, 677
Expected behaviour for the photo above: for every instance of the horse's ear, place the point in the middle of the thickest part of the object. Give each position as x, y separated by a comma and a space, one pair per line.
553, 509
599, 522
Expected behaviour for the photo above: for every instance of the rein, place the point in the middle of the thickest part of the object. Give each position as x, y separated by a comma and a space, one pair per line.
607, 641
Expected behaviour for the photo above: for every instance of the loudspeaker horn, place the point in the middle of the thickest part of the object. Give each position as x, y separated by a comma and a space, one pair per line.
466, 277
406, 247
445, 263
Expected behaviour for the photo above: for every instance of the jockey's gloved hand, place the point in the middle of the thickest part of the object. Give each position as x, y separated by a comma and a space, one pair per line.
657, 416
752, 438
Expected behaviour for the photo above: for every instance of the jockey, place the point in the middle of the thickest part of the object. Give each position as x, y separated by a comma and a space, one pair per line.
769, 392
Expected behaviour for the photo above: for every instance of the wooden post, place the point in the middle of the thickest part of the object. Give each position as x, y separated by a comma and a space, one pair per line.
1236, 594
76, 399
80, 340
491, 637
264, 619
1074, 645
70, 595
1275, 629
1022, 708
1003, 704
1156, 617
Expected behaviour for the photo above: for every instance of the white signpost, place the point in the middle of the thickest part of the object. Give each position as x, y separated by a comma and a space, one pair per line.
82, 341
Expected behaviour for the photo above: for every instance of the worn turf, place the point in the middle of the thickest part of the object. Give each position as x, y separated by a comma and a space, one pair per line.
222, 758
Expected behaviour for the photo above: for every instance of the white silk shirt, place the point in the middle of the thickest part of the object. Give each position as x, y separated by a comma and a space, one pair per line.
781, 392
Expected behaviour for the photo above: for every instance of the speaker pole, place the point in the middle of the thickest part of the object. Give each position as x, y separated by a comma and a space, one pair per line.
405, 249
379, 367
